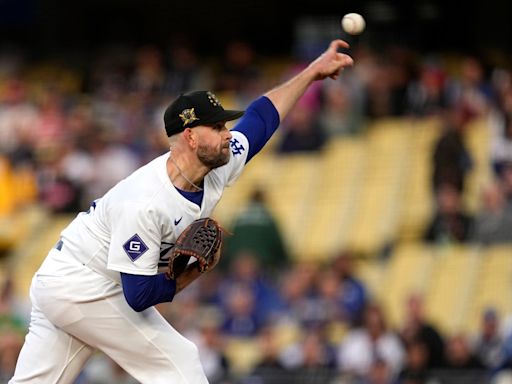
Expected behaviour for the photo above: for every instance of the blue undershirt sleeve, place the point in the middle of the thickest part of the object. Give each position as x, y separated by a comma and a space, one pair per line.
142, 292
258, 124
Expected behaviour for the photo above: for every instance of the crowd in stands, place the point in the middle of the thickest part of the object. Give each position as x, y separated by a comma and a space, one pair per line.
79, 130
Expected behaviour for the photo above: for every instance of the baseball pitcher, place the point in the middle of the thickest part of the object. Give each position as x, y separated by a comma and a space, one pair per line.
97, 288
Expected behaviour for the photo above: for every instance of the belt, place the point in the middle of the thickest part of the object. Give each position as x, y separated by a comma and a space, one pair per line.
58, 245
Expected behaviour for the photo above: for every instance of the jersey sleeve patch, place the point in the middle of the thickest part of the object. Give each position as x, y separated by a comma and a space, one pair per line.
236, 147
135, 247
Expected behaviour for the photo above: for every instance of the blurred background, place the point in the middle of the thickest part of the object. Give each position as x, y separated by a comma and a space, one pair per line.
372, 237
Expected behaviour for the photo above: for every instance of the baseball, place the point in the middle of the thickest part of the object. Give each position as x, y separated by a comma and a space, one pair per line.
353, 23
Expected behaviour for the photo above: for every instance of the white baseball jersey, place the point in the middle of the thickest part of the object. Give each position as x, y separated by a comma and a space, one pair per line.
131, 228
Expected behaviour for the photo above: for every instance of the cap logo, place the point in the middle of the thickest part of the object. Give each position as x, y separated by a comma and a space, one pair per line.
213, 99
188, 116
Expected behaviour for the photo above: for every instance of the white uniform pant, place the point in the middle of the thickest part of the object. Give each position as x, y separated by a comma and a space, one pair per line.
64, 333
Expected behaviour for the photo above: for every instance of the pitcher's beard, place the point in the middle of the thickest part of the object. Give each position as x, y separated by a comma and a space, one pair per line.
211, 158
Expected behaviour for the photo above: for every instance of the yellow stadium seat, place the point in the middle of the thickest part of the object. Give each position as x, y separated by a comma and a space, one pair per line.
242, 354
409, 271
7, 196
493, 285
451, 287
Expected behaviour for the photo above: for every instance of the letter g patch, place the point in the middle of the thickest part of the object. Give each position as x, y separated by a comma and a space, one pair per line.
135, 247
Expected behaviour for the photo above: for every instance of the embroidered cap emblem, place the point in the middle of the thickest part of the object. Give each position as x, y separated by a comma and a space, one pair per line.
188, 116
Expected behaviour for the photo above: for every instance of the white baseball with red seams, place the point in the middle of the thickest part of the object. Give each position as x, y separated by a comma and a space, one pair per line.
353, 23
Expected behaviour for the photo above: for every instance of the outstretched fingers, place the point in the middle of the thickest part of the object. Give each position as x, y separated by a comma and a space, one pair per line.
337, 44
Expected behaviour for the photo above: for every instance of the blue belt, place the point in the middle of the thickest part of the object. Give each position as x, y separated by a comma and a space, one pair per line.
58, 245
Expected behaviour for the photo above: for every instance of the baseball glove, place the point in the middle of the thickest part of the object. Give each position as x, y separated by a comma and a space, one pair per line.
202, 239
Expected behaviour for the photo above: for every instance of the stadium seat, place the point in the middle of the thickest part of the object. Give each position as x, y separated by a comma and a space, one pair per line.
451, 287
492, 285
409, 271
383, 176
417, 203
242, 354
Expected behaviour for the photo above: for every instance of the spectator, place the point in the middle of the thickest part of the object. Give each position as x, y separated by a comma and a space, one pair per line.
312, 360
302, 132
488, 344
470, 89
209, 341
452, 160
416, 369
459, 355
114, 160
380, 373
256, 231
426, 95
379, 90
241, 319
450, 223
353, 292
298, 294
463, 366
503, 366
418, 334
363, 346
328, 297
18, 116
269, 369
501, 144
494, 219
246, 273
341, 111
